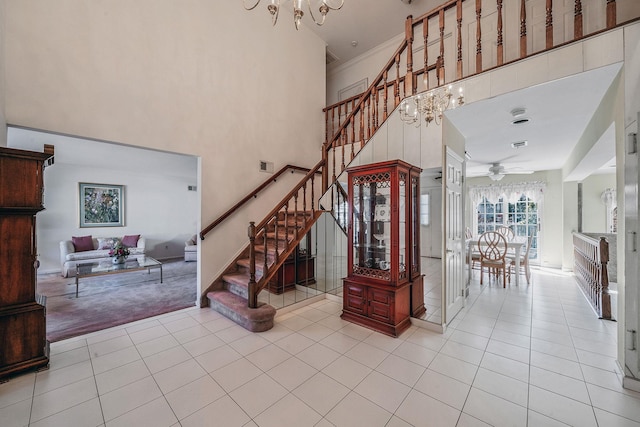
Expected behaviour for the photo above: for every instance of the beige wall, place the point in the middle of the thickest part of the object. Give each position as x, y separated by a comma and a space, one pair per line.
197, 77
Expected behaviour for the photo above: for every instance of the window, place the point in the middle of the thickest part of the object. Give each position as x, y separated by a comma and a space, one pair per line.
521, 217
424, 209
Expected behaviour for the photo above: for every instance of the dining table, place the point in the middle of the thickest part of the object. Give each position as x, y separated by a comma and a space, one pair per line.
514, 247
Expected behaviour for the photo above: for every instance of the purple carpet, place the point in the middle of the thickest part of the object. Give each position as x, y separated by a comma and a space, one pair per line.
112, 300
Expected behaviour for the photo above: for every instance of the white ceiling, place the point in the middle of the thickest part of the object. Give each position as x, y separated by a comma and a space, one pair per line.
559, 112
368, 22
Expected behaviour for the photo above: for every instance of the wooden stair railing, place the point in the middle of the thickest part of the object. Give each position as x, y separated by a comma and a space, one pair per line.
590, 258
289, 221
360, 116
253, 194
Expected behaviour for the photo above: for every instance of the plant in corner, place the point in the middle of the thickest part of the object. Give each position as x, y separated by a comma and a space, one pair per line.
119, 253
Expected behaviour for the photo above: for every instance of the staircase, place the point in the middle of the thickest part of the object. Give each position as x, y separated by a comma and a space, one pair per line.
350, 124
235, 293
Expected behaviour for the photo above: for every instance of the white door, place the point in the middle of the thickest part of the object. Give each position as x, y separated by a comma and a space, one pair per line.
453, 256
632, 270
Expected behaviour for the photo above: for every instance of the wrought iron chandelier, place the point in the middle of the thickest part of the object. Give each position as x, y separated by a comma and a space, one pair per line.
431, 105
323, 6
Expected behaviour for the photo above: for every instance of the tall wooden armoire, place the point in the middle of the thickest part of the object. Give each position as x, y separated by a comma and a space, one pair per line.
23, 342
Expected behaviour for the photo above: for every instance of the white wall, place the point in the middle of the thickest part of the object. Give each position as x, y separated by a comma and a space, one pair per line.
197, 77
594, 217
157, 202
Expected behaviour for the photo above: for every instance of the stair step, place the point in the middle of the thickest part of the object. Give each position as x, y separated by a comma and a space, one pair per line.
235, 307
237, 283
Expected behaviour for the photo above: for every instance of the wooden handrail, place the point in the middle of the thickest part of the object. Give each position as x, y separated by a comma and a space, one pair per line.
250, 196
260, 233
590, 258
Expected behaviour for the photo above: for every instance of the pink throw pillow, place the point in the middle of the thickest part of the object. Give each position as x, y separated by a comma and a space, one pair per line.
82, 243
130, 241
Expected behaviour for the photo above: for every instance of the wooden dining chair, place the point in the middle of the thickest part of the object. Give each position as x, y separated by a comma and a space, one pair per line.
493, 250
524, 261
507, 232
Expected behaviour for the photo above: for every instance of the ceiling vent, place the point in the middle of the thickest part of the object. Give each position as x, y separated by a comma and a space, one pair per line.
518, 116
519, 144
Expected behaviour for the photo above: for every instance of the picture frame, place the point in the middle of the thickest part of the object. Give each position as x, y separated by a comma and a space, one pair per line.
101, 205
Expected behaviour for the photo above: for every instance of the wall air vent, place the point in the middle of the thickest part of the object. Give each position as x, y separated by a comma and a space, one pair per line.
266, 166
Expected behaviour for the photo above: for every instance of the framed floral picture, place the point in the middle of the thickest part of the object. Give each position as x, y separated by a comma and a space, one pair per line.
101, 205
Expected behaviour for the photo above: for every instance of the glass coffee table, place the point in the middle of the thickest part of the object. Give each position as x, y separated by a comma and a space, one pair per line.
106, 266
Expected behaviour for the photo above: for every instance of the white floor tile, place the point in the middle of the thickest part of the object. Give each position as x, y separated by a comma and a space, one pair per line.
178, 375
166, 359
129, 397
269, 356
612, 420
156, 413
417, 404
258, 394
502, 386
218, 358
454, 368
493, 410
17, 414
415, 353
618, 403
194, 396
236, 374
367, 354
288, 411
321, 393
222, 409
63, 398
347, 371
561, 408
560, 384
401, 370
443, 388
355, 410
50, 380
383, 391
87, 414
121, 376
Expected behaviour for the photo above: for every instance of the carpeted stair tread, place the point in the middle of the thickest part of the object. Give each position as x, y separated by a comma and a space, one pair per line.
235, 308
244, 263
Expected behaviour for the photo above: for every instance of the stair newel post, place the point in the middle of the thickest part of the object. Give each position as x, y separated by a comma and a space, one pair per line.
253, 298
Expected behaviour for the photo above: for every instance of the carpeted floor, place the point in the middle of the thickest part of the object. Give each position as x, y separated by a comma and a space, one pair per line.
111, 300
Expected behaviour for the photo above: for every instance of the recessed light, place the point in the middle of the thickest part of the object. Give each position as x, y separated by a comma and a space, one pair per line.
354, 43
519, 144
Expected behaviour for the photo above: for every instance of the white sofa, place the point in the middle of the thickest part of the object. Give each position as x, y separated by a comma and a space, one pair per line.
69, 257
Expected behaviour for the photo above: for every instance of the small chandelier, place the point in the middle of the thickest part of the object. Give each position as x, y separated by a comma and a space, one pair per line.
431, 105
324, 6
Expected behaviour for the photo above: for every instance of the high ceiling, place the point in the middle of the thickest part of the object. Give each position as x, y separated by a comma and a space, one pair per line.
367, 22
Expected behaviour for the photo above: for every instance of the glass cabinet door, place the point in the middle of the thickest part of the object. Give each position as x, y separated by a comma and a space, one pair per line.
372, 225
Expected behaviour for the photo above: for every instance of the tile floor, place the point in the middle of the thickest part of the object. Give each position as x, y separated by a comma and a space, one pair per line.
521, 356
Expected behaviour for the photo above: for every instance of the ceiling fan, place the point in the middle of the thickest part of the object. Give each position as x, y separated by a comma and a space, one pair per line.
498, 171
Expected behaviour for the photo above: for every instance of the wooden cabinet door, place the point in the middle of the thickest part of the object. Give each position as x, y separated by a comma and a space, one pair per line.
355, 298
381, 305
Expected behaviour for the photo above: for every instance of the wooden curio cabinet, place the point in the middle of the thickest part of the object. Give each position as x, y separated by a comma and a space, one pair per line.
22, 320
384, 285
